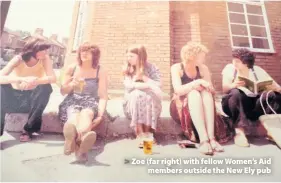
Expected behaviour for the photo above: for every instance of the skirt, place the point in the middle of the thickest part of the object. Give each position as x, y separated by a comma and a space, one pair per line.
142, 107
74, 103
180, 113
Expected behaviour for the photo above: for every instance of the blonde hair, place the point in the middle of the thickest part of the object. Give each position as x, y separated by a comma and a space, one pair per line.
142, 57
191, 50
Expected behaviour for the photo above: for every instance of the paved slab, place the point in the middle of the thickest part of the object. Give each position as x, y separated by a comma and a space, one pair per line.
43, 159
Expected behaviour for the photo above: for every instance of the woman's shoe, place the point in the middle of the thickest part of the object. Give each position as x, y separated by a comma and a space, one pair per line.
70, 133
241, 140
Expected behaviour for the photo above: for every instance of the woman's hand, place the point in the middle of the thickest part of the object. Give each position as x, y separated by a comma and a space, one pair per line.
201, 85
74, 82
138, 76
28, 83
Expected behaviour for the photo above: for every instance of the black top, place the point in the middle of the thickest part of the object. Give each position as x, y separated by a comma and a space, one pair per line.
185, 79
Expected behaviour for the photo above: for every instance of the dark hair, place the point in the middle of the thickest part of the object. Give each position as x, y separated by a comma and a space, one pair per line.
32, 47
245, 55
95, 51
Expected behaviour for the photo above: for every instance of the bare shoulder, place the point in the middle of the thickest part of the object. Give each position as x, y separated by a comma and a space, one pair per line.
102, 71
176, 67
16, 60
204, 70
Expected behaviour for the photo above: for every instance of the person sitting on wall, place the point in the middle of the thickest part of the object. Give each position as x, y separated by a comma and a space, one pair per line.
84, 107
245, 110
142, 100
193, 103
26, 85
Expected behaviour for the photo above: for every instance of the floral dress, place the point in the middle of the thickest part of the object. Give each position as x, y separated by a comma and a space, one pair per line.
143, 106
88, 98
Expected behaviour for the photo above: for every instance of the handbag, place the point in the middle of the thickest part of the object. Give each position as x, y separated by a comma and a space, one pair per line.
271, 122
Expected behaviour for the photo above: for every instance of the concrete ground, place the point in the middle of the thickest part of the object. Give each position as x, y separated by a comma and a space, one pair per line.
43, 160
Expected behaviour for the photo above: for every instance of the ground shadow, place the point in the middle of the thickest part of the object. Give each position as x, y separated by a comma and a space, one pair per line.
35, 139
260, 141
100, 145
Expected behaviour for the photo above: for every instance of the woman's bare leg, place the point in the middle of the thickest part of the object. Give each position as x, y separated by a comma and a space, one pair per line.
70, 133
196, 109
87, 137
209, 111
139, 129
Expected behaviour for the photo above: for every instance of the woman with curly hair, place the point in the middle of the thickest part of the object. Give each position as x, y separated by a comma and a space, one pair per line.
192, 85
245, 110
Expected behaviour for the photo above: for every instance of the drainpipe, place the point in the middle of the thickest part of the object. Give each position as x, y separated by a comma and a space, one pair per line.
4, 5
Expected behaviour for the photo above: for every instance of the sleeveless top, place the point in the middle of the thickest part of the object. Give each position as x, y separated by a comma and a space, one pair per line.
22, 70
91, 85
185, 79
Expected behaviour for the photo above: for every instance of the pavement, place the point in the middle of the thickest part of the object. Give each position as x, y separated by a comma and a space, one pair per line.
111, 159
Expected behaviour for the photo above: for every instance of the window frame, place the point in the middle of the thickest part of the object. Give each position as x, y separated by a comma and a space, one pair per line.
249, 36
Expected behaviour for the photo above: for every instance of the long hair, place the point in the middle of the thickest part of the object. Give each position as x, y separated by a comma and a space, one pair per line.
32, 47
140, 51
95, 51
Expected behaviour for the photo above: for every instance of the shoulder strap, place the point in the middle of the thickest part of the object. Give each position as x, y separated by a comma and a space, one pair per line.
254, 72
182, 66
198, 72
73, 71
98, 69
235, 74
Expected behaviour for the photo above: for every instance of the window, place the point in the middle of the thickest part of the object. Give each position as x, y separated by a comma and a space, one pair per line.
248, 26
80, 25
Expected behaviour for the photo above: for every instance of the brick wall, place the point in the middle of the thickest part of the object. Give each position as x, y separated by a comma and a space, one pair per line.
116, 25
272, 62
213, 32
164, 27
196, 21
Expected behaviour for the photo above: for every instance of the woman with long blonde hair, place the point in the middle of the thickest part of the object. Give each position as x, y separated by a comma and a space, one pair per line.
142, 101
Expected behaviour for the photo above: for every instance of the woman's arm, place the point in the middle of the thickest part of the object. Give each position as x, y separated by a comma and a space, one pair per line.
4, 73
154, 78
228, 77
206, 76
102, 91
67, 86
50, 73
103, 97
179, 88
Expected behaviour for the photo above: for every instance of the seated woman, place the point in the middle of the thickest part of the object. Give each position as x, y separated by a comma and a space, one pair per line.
26, 85
192, 83
244, 110
84, 108
142, 101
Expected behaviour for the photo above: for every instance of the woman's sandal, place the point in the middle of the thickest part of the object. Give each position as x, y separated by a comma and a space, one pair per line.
25, 137
216, 146
206, 148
